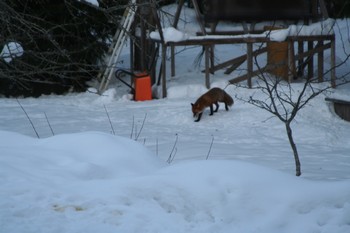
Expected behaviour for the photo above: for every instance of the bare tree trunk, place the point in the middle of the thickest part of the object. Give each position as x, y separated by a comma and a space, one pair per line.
294, 148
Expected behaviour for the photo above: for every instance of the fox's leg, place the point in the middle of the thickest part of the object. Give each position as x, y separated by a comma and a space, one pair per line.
211, 110
217, 106
226, 106
199, 117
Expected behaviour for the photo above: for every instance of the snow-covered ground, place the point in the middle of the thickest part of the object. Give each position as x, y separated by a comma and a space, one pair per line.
153, 169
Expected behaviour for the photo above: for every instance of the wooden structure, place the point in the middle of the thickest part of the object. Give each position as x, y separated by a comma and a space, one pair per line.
303, 58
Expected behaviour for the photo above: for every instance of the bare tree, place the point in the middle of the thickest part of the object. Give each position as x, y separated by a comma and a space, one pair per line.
284, 100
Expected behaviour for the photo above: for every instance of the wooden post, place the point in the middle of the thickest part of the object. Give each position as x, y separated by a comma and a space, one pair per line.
212, 47
300, 60
164, 48
143, 44
155, 16
178, 11
207, 55
310, 67
320, 59
333, 81
172, 59
198, 15
132, 50
145, 20
249, 63
291, 61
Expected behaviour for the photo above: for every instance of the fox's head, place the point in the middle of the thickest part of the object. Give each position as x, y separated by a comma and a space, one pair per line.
196, 109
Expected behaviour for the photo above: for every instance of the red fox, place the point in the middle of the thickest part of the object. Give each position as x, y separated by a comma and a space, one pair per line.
213, 96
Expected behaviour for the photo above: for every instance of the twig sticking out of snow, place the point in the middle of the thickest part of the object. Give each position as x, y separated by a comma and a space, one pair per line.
48, 122
30, 121
109, 119
173, 151
143, 123
211, 145
134, 128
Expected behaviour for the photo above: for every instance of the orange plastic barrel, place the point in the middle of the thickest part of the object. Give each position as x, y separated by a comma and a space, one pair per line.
143, 89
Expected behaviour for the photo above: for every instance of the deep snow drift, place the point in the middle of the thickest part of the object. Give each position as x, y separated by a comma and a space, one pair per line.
95, 182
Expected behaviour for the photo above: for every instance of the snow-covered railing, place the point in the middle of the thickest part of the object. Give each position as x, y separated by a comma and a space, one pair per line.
171, 34
319, 32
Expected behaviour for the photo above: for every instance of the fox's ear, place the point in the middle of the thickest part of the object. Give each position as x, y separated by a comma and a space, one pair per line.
192, 104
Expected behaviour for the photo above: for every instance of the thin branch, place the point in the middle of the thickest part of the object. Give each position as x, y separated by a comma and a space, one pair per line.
211, 145
132, 126
109, 119
30, 121
143, 123
172, 153
48, 122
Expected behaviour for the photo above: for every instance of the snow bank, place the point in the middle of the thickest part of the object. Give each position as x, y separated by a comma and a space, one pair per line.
94, 182
86, 156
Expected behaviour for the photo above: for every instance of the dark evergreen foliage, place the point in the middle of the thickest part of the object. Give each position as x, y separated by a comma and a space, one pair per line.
63, 41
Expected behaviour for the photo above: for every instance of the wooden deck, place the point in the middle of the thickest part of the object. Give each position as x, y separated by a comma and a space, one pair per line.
324, 42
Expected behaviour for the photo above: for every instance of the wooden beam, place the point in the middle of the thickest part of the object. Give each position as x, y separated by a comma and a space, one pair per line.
300, 59
178, 12
320, 59
132, 50
311, 38
235, 65
310, 63
236, 62
333, 77
155, 16
207, 40
143, 45
227, 63
172, 59
229, 33
313, 51
249, 64
291, 61
198, 15
246, 76
207, 76
212, 47
164, 92
339, 101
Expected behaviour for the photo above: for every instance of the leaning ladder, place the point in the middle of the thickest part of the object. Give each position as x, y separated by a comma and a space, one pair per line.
117, 45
